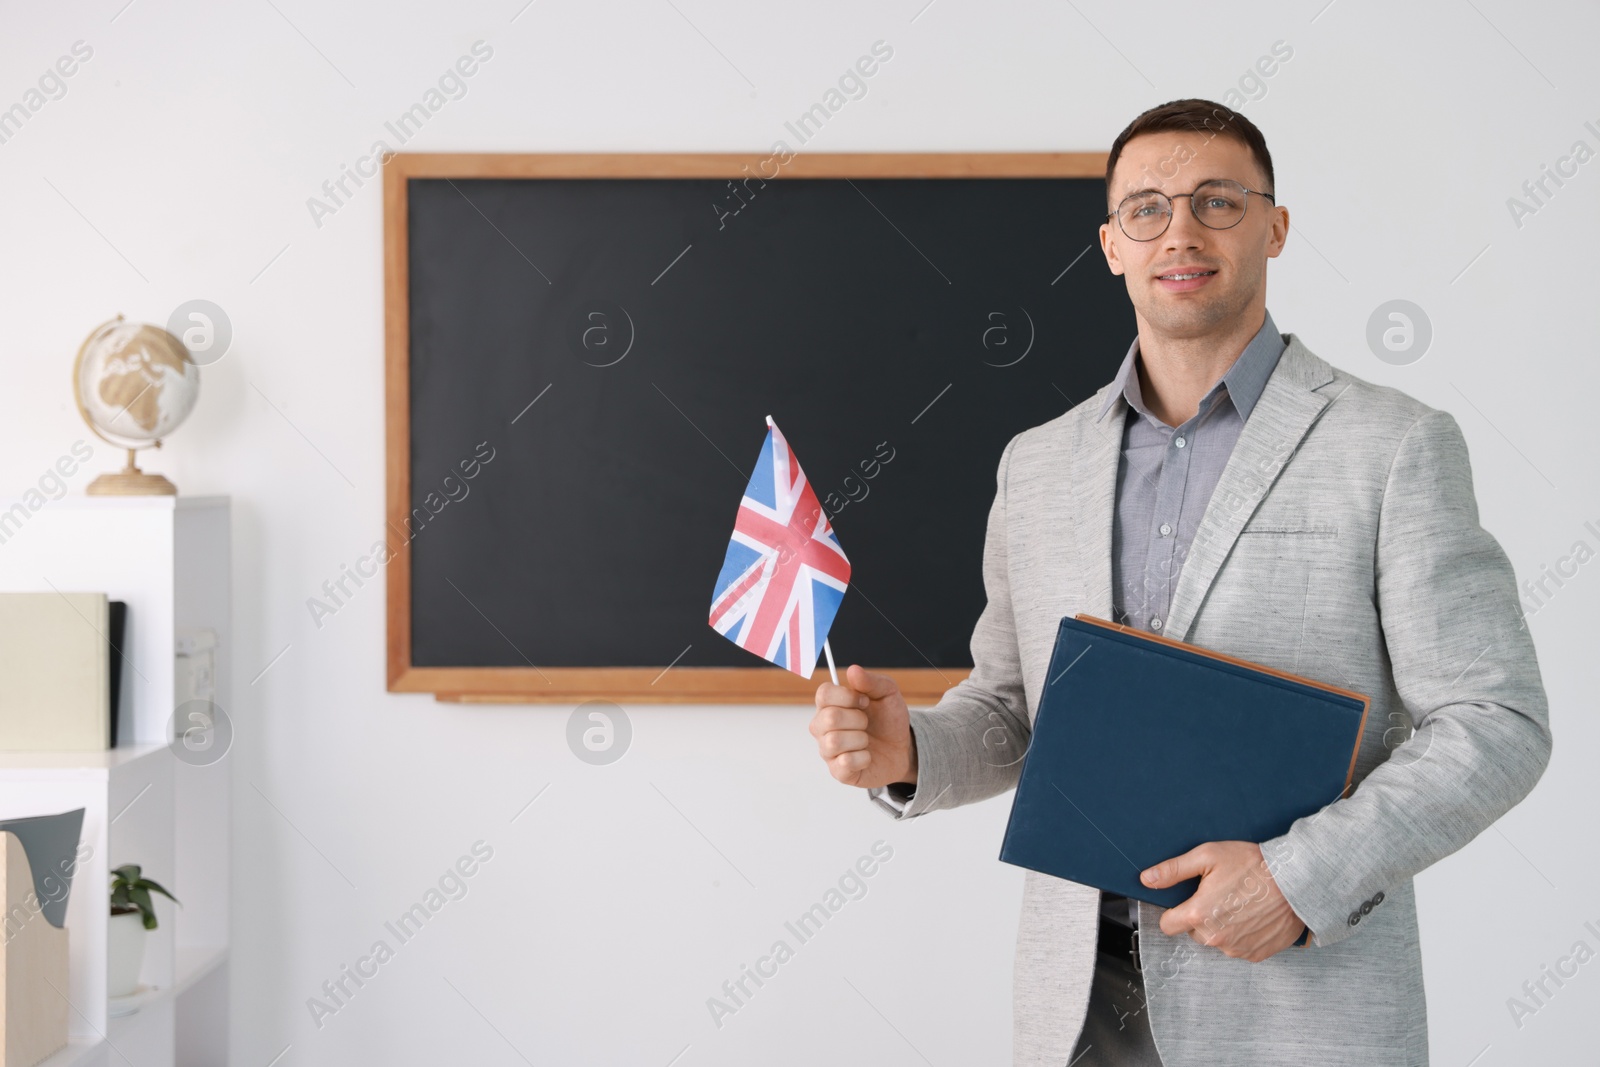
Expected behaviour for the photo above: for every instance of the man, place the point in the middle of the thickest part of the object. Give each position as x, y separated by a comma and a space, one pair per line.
1231, 489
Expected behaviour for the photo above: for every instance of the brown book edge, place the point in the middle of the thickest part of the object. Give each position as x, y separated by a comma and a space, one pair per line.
1366, 702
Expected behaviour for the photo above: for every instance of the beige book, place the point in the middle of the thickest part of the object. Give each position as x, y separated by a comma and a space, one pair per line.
54, 671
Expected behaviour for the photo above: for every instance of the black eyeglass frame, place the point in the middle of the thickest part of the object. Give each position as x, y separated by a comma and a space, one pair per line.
1189, 197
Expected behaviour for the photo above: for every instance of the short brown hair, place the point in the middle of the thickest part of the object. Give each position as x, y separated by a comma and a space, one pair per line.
1195, 116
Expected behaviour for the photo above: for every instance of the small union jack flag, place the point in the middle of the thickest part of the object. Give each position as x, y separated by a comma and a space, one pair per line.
785, 572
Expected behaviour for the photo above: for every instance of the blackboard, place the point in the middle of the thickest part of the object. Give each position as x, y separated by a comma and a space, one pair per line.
583, 366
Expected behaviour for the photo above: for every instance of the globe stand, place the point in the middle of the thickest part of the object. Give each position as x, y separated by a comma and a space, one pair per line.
131, 481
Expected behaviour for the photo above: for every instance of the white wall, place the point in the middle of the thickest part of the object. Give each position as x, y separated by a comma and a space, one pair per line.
178, 165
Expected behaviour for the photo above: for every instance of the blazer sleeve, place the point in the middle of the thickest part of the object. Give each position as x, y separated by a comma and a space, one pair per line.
970, 744
1463, 664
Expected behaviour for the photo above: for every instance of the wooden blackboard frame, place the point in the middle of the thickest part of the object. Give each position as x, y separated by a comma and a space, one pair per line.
759, 684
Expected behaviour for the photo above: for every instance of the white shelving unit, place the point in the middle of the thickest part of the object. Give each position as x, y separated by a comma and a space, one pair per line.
169, 559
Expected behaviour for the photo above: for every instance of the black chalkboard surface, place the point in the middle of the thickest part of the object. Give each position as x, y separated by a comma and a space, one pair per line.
600, 354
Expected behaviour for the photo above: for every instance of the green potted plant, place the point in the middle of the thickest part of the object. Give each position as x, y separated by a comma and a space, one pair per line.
132, 915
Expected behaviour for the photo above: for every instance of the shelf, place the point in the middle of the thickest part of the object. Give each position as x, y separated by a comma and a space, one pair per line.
160, 503
194, 962
169, 560
87, 763
78, 1050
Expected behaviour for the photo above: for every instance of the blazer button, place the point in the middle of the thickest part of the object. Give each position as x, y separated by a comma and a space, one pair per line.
1355, 917
1366, 907
1377, 898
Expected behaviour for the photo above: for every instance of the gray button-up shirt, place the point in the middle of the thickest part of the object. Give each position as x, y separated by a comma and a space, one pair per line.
1165, 478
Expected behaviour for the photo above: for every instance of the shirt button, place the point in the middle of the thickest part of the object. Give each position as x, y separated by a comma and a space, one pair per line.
1178, 441
1155, 624
1166, 528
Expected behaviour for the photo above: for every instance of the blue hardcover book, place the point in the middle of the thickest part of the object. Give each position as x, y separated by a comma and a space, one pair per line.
1144, 747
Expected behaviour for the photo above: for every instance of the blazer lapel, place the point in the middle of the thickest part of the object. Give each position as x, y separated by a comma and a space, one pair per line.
1288, 407
1094, 491
1286, 410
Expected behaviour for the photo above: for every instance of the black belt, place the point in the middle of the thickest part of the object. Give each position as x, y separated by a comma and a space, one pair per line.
1120, 941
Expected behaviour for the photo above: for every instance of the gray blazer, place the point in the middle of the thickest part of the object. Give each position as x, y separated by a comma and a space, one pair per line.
1342, 543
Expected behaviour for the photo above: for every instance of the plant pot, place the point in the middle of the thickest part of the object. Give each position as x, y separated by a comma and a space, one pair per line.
125, 936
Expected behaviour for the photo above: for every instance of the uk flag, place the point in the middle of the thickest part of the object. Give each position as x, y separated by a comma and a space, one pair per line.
785, 572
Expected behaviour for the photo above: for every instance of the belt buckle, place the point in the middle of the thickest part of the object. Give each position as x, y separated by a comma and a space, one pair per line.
1133, 950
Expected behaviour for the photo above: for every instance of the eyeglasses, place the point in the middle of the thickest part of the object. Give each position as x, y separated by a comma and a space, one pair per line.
1217, 204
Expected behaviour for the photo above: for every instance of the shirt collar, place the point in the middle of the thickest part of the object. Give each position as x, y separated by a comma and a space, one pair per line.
1244, 381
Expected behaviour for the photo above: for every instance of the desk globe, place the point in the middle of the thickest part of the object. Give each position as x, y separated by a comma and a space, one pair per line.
134, 384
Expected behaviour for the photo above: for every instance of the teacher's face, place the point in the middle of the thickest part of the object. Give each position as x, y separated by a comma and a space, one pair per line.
1231, 263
